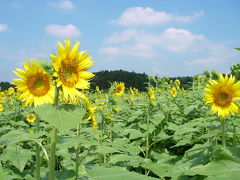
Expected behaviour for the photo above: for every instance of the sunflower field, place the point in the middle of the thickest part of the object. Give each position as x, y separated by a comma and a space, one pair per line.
52, 126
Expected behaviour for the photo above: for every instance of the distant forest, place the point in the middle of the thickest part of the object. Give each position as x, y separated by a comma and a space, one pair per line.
103, 79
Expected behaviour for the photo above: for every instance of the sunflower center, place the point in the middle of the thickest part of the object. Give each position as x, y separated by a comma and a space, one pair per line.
68, 73
223, 97
39, 84
119, 89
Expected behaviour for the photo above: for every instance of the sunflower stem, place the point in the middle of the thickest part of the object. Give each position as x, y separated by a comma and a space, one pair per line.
223, 131
77, 153
53, 140
103, 156
56, 96
234, 136
38, 162
147, 137
52, 155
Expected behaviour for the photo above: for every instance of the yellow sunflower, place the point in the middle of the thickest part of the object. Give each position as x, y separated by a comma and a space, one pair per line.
174, 92
31, 118
131, 91
71, 69
177, 82
222, 95
151, 94
2, 95
10, 90
34, 87
91, 114
1, 107
119, 88
98, 89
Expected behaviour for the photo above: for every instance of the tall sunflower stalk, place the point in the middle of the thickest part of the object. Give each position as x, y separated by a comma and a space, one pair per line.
52, 161
71, 74
35, 88
38, 162
222, 95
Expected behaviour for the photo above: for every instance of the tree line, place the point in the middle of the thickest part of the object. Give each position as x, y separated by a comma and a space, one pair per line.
104, 79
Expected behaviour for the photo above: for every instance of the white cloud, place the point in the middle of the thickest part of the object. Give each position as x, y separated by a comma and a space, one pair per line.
62, 31
143, 16
111, 50
140, 50
138, 16
3, 27
217, 55
206, 62
63, 4
181, 44
178, 39
186, 19
171, 39
124, 36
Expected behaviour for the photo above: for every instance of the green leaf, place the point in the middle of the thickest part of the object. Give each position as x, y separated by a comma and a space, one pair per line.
157, 118
65, 174
103, 149
134, 161
64, 118
182, 142
159, 169
162, 135
232, 176
16, 136
2, 175
222, 162
133, 149
189, 109
120, 144
237, 49
134, 133
116, 173
71, 141
221, 165
17, 155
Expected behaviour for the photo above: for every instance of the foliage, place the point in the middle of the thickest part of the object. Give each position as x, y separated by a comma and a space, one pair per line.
164, 137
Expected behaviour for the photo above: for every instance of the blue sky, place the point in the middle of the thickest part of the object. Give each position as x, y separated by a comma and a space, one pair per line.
158, 37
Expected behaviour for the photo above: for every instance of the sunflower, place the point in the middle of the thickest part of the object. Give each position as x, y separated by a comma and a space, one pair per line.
98, 89
131, 91
91, 114
222, 95
2, 95
151, 94
71, 69
68, 101
1, 107
177, 82
10, 90
137, 92
35, 85
31, 118
119, 88
174, 92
